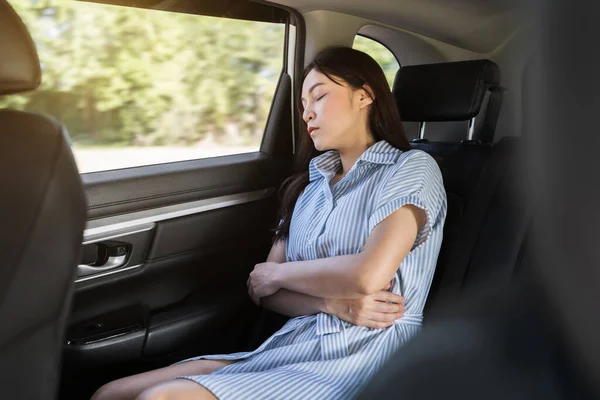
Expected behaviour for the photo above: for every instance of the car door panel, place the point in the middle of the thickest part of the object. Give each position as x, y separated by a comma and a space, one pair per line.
193, 230
217, 242
185, 279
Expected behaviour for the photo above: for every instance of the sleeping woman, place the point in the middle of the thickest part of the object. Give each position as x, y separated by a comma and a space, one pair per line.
353, 256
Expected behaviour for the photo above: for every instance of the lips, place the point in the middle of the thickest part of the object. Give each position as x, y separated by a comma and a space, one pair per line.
311, 129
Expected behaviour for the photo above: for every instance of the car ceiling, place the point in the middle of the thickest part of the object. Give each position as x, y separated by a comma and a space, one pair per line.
475, 25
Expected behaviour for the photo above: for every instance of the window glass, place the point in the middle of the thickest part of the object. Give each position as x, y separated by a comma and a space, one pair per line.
381, 54
137, 86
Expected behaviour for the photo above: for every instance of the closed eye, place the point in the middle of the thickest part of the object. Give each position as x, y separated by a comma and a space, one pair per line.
319, 98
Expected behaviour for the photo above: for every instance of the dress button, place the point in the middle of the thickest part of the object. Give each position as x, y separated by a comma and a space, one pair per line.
309, 241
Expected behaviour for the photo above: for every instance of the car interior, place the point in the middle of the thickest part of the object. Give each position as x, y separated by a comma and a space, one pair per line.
142, 267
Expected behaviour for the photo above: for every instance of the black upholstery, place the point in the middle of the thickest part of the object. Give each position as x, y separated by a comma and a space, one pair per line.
485, 133
486, 225
439, 150
502, 346
447, 96
462, 172
43, 213
445, 91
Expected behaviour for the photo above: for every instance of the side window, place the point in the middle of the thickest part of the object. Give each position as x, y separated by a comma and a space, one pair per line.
138, 87
381, 54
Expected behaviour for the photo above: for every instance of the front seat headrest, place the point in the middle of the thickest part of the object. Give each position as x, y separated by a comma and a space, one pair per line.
19, 63
452, 91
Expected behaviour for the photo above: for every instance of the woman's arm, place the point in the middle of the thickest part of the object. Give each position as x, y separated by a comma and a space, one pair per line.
377, 311
277, 253
349, 276
291, 304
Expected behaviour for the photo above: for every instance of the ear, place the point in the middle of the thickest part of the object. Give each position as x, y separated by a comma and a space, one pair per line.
365, 96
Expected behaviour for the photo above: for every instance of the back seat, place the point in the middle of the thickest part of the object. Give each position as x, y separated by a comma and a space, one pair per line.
486, 223
485, 236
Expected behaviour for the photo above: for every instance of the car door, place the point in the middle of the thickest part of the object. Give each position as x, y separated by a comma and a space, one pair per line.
180, 118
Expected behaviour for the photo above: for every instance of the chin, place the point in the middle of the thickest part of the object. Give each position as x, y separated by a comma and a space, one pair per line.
320, 144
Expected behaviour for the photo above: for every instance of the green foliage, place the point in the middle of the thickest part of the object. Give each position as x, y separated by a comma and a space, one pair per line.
384, 57
119, 76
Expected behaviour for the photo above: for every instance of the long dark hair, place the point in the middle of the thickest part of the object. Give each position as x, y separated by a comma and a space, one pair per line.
356, 69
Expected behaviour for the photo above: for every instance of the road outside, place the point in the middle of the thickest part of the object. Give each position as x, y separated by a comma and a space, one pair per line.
103, 159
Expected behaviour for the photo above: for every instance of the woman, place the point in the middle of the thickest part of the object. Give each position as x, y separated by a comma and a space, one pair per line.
361, 226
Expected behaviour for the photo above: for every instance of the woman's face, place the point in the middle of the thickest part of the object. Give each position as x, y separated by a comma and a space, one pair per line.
335, 114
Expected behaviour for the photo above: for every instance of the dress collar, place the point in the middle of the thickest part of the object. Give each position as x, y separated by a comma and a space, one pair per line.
329, 162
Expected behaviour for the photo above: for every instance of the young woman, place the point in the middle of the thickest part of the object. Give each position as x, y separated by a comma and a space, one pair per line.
353, 257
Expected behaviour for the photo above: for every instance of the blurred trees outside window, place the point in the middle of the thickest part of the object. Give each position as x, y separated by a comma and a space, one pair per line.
138, 86
384, 57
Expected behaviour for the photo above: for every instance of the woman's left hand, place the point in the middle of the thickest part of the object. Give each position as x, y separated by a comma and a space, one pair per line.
261, 282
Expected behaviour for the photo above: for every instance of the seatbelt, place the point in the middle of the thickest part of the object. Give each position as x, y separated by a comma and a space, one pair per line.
460, 255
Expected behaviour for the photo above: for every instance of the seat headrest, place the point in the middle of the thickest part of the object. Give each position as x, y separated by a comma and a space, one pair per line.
451, 91
19, 64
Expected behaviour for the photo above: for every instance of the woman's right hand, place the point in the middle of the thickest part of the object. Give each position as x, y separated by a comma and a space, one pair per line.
378, 310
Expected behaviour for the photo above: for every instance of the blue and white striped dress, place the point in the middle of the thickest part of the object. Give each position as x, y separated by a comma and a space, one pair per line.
320, 356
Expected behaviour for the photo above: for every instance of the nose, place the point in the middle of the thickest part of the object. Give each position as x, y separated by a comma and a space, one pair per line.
308, 115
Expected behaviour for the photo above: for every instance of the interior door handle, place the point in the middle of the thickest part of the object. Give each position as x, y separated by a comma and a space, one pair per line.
116, 257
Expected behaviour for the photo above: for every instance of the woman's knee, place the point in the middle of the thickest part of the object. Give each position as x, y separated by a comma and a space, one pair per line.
176, 390
130, 387
154, 393
115, 390
106, 392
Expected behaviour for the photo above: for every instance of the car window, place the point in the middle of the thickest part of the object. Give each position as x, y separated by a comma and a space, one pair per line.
384, 57
137, 86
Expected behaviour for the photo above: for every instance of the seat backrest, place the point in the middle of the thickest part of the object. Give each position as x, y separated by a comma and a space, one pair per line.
451, 102
486, 223
489, 220
43, 213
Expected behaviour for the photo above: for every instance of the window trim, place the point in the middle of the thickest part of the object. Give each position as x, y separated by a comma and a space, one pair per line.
236, 9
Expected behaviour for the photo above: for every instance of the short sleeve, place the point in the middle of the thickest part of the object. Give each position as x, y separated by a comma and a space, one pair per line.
415, 179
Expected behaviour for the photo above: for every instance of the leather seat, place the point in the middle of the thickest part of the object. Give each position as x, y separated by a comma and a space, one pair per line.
489, 225
486, 224
452, 102
43, 213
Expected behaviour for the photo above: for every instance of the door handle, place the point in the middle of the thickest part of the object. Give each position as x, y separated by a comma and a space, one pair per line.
116, 256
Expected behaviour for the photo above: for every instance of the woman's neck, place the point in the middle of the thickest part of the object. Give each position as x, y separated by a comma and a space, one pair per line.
350, 155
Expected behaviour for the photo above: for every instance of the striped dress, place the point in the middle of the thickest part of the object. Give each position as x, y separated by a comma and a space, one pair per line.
320, 356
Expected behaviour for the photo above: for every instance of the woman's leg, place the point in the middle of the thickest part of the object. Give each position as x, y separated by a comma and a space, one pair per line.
132, 386
180, 389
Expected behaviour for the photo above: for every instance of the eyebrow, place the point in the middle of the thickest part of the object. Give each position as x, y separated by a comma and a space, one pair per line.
313, 88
